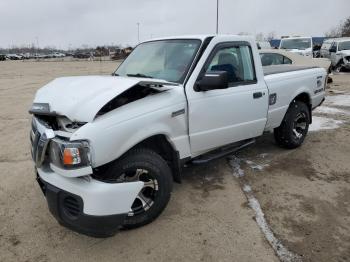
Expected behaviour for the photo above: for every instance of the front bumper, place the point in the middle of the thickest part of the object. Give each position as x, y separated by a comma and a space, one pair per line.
87, 206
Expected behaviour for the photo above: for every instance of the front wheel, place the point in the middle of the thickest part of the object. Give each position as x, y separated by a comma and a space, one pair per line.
147, 166
294, 127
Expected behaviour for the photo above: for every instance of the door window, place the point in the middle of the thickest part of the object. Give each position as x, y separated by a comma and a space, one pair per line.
237, 61
286, 60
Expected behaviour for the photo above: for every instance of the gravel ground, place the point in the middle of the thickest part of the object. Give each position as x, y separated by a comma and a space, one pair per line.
304, 193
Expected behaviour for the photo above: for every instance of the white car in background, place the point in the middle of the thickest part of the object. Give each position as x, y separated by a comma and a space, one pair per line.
340, 54
279, 57
58, 54
326, 45
263, 45
300, 45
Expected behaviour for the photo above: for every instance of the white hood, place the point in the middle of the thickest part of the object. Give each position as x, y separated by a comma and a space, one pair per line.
80, 98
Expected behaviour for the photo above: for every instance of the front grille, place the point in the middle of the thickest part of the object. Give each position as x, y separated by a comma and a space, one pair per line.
71, 206
39, 140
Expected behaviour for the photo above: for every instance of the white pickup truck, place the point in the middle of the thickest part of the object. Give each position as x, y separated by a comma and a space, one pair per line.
299, 45
108, 148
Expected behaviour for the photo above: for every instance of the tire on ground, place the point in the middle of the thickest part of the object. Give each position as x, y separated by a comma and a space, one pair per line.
284, 134
147, 159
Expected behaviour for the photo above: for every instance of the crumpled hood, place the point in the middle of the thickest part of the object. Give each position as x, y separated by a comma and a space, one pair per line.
81, 97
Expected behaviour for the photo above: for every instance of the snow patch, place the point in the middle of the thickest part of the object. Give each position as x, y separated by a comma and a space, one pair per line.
263, 155
255, 166
324, 123
282, 252
334, 91
235, 164
331, 111
247, 188
339, 100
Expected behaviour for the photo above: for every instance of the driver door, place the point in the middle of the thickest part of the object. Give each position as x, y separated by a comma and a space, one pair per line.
222, 116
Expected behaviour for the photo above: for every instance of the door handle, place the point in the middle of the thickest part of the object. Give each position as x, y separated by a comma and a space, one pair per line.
257, 95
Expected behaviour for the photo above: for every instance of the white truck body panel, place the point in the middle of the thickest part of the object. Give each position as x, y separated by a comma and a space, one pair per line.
99, 198
223, 123
112, 134
192, 121
283, 84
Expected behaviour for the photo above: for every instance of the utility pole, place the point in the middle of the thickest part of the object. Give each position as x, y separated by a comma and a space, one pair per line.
138, 32
217, 16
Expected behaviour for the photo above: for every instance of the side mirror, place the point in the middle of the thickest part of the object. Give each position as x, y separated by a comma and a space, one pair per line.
212, 80
333, 49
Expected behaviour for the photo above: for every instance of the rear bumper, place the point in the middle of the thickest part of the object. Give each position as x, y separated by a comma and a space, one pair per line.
67, 209
87, 206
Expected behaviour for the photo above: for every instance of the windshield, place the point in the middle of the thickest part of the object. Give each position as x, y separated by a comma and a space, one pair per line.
296, 43
344, 46
166, 59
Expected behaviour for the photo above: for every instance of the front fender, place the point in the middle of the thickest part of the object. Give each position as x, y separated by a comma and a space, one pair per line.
110, 138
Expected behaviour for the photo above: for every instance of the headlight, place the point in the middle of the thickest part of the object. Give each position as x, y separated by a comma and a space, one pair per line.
66, 154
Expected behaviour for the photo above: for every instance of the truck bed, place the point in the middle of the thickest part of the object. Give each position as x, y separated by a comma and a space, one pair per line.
277, 69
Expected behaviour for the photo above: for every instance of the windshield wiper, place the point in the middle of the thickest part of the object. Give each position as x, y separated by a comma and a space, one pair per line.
139, 75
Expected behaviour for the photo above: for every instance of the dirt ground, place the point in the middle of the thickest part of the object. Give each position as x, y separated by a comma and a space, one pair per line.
304, 193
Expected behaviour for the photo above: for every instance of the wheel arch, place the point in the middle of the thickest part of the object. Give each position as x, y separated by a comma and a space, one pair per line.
305, 98
162, 145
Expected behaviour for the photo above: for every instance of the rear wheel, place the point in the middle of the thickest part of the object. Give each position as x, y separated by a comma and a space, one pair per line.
338, 68
294, 127
147, 166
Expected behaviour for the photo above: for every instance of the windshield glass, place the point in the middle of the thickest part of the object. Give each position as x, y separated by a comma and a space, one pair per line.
166, 59
296, 43
344, 46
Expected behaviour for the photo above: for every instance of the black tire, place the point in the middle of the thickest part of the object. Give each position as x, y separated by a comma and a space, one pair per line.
158, 174
294, 127
338, 68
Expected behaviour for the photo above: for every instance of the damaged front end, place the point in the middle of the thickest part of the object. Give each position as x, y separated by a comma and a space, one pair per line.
52, 148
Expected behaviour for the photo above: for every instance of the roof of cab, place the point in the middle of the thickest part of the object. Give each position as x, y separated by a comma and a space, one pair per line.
200, 37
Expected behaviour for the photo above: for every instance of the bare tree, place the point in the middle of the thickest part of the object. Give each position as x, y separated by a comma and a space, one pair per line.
259, 37
341, 30
271, 35
346, 28
335, 31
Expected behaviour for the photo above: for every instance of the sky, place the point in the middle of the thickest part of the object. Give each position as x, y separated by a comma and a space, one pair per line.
72, 23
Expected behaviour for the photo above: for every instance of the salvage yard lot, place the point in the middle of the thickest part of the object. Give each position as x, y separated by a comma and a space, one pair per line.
304, 193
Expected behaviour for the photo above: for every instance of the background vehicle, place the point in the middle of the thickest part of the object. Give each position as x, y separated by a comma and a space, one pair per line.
279, 57
57, 55
2, 57
263, 45
326, 45
108, 148
14, 57
300, 45
340, 54
81, 55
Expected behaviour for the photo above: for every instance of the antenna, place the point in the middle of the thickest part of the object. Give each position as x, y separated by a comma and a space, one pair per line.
217, 16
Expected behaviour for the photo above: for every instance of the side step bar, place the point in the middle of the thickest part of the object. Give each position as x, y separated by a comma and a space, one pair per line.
221, 152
